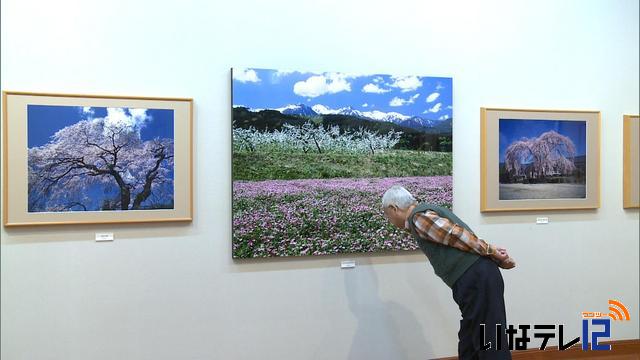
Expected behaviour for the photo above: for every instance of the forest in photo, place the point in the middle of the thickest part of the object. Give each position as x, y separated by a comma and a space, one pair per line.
314, 152
99, 159
542, 159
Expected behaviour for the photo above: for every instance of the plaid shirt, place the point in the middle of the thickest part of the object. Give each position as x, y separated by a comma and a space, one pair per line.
429, 225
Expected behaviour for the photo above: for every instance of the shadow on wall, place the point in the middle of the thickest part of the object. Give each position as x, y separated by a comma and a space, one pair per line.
385, 329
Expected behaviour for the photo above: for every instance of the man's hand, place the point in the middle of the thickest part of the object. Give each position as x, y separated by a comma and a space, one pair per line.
502, 258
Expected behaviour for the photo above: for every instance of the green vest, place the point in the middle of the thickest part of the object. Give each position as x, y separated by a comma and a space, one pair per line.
448, 262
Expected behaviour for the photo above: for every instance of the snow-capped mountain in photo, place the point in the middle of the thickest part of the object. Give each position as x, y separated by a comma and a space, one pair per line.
417, 122
377, 115
323, 110
299, 109
248, 108
414, 122
391, 116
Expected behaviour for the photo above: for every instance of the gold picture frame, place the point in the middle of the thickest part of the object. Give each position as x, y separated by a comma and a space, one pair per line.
631, 161
521, 171
96, 159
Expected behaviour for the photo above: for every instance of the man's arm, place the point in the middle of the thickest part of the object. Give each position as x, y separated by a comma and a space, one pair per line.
431, 226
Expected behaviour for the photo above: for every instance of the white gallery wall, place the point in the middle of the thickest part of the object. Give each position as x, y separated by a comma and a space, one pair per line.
166, 291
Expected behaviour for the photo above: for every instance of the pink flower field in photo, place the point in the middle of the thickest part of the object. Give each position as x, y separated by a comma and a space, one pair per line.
328, 216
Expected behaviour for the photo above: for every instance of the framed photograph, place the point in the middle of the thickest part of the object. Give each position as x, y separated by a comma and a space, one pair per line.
631, 156
313, 153
539, 159
88, 159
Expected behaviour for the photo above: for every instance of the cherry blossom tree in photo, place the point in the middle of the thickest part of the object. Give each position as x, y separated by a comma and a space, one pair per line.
548, 154
102, 164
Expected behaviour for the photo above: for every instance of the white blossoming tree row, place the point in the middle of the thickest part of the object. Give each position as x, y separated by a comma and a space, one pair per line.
314, 138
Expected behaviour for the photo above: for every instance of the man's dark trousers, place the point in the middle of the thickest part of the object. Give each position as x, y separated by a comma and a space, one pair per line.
479, 293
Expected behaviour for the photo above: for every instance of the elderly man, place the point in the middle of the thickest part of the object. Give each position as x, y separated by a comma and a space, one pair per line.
466, 263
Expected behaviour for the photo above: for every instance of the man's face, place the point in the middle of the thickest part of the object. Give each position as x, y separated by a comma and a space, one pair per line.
396, 216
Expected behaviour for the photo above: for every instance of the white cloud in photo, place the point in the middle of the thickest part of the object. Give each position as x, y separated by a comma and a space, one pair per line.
373, 88
316, 85
277, 76
449, 107
377, 79
439, 87
280, 73
139, 115
433, 97
365, 105
396, 101
245, 75
134, 119
435, 108
443, 117
406, 83
88, 110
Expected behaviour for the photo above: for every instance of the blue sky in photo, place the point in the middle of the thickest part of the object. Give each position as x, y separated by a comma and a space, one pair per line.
515, 129
43, 121
423, 96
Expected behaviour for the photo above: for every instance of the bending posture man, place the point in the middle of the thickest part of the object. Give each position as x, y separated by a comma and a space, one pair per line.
466, 263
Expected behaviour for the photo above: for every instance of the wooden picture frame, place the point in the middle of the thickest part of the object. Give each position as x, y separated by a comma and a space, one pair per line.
534, 160
631, 161
96, 159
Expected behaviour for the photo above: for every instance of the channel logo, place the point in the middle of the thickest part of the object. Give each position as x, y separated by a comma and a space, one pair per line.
596, 327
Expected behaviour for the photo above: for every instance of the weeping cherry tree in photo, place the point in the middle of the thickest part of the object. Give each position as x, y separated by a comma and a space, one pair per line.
102, 163
549, 154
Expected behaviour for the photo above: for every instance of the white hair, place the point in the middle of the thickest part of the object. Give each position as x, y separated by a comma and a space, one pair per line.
397, 196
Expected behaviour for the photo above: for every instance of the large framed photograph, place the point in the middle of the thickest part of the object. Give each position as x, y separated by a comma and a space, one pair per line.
539, 159
631, 156
88, 159
314, 152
